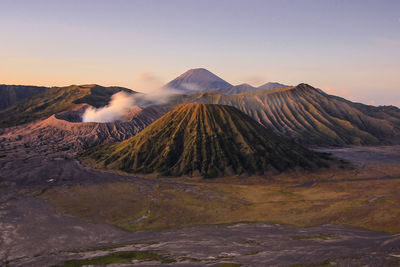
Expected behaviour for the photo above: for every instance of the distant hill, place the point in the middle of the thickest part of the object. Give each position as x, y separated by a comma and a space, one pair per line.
237, 89
197, 80
55, 100
311, 117
272, 85
201, 80
12, 94
207, 140
241, 88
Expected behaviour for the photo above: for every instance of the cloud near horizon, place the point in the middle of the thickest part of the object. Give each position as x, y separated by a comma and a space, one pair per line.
387, 41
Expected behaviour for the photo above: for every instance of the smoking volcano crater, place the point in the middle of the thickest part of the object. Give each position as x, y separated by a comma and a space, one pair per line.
67, 132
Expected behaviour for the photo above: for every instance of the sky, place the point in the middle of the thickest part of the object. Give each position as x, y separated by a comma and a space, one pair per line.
349, 48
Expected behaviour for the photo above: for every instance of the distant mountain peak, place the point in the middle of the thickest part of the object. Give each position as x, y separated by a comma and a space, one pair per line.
200, 75
237, 89
272, 85
245, 85
197, 80
305, 86
87, 85
194, 70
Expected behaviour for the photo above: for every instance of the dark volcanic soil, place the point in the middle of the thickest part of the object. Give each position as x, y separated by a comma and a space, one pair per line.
362, 155
247, 244
34, 234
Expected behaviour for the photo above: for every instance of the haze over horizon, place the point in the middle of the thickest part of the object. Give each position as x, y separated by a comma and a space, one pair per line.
350, 49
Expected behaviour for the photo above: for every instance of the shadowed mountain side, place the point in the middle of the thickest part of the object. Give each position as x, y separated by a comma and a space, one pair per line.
207, 140
55, 100
311, 117
12, 94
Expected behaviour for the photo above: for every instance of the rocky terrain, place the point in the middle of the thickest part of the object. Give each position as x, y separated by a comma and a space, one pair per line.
33, 233
66, 132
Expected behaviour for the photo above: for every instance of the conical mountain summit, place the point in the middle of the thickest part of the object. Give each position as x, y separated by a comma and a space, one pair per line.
197, 80
205, 140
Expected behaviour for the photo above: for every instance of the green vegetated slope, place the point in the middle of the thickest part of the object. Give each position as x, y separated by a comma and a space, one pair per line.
205, 140
312, 117
55, 100
11, 94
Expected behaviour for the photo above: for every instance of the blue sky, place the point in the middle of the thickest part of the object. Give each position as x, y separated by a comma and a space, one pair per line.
348, 48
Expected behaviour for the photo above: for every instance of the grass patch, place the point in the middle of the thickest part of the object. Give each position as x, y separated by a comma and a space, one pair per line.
318, 236
149, 206
253, 252
394, 262
119, 257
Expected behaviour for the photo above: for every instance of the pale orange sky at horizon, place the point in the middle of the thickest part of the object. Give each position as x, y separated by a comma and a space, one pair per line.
338, 46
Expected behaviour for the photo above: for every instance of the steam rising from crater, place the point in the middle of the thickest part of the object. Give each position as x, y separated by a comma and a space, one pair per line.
119, 105
122, 102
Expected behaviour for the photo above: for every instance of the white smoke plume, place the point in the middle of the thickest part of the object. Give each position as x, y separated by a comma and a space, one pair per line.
155, 96
191, 88
122, 102
119, 105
